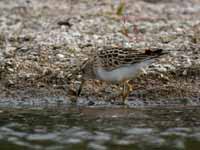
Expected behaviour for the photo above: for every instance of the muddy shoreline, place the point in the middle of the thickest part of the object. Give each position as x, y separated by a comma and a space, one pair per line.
42, 46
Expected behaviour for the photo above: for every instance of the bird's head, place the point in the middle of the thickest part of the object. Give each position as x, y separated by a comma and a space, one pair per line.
87, 70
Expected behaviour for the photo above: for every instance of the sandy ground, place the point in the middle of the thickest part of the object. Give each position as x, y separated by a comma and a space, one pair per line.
43, 43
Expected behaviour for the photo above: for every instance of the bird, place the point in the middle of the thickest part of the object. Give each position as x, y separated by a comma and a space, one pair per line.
117, 65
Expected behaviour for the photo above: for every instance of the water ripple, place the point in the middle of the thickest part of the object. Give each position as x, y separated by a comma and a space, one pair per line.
96, 129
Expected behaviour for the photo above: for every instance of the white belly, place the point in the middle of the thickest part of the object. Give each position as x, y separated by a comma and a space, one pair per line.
122, 73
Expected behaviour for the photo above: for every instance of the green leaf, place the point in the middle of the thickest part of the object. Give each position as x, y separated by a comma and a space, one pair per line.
120, 8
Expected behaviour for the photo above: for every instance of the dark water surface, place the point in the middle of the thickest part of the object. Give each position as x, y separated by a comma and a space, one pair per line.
58, 128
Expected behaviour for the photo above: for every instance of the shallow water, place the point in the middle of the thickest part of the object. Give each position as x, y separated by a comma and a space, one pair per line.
100, 128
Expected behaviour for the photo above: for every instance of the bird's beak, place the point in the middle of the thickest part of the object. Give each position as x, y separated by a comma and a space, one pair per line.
80, 87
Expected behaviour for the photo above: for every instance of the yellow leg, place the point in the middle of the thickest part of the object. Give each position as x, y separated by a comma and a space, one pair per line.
130, 87
127, 88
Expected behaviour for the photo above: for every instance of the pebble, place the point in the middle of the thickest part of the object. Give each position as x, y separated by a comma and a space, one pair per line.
60, 56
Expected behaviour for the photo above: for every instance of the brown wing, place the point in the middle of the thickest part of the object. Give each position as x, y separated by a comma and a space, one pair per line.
112, 58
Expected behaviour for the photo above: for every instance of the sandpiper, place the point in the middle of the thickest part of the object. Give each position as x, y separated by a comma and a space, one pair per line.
117, 65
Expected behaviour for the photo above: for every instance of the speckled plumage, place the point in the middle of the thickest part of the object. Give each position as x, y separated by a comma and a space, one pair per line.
117, 65
111, 60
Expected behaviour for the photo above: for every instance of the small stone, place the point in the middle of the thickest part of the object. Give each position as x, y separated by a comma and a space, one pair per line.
184, 72
60, 56
90, 103
10, 69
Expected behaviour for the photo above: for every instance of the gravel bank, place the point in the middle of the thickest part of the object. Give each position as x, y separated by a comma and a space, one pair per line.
43, 43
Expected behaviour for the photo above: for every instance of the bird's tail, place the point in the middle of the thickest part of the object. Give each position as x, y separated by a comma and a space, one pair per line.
155, 53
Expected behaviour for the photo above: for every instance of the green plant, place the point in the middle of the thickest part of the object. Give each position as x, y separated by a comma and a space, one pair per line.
120, 8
